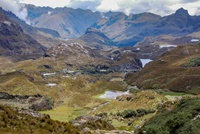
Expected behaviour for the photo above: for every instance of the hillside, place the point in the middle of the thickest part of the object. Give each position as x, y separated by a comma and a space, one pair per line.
19, 121
15, 43
176, 70
95, 39
184, 118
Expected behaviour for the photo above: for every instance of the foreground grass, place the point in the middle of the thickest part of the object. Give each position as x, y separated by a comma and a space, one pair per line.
13, 122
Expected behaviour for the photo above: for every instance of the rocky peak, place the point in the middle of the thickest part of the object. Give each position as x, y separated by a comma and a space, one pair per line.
182, 11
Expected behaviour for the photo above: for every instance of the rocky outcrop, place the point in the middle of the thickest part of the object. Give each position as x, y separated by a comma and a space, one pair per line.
33, 102
92, 123
41, 104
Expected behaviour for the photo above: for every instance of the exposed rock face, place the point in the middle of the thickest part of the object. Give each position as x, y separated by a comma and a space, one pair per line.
4, 95
15, 43
92, 123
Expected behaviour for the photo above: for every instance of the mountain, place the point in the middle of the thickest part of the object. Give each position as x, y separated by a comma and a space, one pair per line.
15, 43
129, 30
68, 22
122, 29
96, 39
176, 70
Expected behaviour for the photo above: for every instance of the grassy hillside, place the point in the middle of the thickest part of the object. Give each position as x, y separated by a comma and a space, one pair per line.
176, 70
184, 119
13, 122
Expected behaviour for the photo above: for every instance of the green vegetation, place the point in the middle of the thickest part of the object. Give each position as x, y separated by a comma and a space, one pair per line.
184, 119
138, 113
194, 62
172, 93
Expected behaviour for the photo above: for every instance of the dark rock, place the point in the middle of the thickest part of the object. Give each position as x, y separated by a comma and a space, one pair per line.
4, 95
47, 66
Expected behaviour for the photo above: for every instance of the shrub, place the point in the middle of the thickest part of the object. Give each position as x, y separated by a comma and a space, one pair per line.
128, 114
194, 62
141, 112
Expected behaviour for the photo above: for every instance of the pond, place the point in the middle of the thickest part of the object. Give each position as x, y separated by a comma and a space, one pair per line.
112, 94
145, 61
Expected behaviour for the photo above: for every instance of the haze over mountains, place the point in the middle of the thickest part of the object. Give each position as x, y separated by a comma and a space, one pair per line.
122, 29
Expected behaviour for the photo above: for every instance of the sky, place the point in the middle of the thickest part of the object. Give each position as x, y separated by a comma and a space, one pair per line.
160, 7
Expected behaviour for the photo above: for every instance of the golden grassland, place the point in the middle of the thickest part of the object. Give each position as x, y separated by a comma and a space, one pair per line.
77, 95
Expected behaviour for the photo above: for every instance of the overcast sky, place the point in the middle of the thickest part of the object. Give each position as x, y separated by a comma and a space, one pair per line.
161, 7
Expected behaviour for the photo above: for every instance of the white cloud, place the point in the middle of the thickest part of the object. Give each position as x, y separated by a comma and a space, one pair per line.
13, 6
50, 3
191, 7
162, 7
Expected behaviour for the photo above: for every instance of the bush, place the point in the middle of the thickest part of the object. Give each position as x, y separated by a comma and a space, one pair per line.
194, 62
128, 114
141, 112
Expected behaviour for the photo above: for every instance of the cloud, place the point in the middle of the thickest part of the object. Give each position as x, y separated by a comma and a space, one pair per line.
197, 12
188, 1
136, 6
84, 4
162, 7
50, 3
192, 7
14, 7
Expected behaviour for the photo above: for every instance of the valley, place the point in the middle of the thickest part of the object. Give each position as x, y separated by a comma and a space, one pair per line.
99, 73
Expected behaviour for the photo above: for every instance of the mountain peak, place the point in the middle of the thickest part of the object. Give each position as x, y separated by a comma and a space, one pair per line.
182, 11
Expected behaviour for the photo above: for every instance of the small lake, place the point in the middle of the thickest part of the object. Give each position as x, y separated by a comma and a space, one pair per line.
51, 85
112, 94
145, 61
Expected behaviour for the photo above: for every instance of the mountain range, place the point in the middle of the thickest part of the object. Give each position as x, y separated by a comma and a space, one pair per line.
122, 29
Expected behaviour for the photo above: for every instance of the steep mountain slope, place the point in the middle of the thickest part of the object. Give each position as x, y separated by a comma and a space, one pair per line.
15, 43
129, 30
44, 36
67, 22
176, 70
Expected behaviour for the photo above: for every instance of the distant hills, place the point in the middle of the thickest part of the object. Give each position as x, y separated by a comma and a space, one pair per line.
129, 30
122, 29
68, 22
